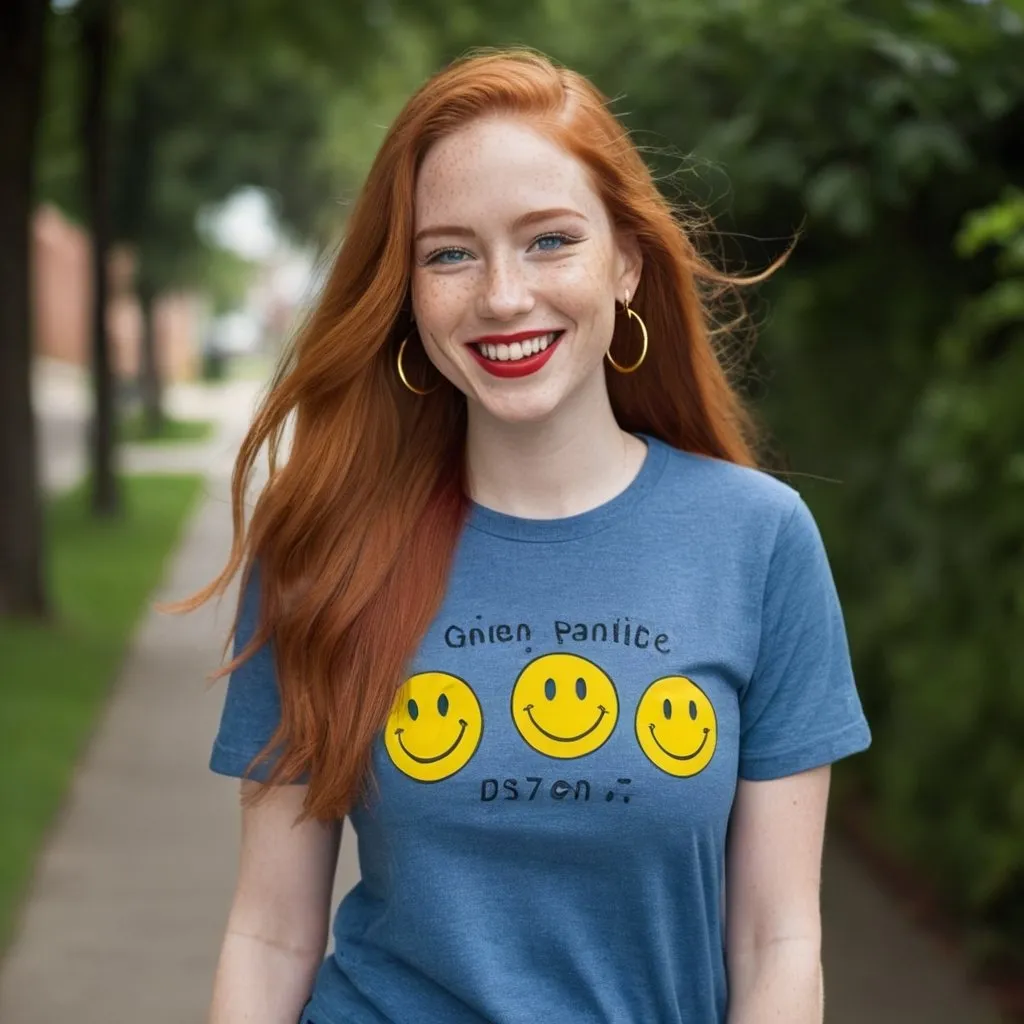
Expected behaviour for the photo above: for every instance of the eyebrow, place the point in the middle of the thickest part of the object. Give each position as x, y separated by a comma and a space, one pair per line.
527, 218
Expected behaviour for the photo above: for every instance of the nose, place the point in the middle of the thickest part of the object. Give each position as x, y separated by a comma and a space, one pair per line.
505, 291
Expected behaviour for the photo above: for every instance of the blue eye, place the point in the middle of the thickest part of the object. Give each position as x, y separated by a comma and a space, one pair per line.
693, 710
442, 705
581, 688
667, 708
549, 689
554, 242
558, 241
414, 710
448, 257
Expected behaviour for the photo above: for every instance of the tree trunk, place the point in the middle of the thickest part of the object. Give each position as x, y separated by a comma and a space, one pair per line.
150, 378
22, 588
97, 31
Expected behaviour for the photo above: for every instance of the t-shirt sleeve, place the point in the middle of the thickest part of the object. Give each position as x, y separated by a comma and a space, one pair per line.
800, 709
252, 705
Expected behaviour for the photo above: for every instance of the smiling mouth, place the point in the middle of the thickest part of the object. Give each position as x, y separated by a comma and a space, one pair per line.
438, 757
517, 349
565, 739
517, 358
680, 757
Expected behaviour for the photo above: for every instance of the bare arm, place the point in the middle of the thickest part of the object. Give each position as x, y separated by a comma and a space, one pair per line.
277, 928
773, 942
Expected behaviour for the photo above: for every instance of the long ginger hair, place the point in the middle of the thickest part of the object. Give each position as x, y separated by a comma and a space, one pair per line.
354, 532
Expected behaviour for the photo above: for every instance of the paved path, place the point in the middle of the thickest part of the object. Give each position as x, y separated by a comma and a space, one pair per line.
127, 908
61, 399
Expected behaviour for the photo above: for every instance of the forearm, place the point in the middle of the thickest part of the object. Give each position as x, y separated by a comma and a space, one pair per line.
261, 982
780, 982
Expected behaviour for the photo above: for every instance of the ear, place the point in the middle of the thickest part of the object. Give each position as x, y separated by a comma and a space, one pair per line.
629, 265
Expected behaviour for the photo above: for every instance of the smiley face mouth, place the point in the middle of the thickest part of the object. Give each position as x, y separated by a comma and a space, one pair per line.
565, 739
439, 757
680, 757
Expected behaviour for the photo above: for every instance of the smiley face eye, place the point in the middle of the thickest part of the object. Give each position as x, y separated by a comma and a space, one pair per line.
414, 710
549, 689
693, 711
442, 705
667, 708
581, 688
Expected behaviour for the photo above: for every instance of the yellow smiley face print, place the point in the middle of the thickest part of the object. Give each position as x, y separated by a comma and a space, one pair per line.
564, 706
676, 726
434, 727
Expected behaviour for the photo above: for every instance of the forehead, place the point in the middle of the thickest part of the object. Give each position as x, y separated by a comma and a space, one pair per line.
496, 169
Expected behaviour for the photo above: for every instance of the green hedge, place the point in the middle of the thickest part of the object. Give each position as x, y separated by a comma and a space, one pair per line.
927, 541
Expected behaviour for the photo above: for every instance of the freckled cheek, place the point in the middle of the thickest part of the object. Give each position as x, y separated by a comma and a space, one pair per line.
581, 293
440, 305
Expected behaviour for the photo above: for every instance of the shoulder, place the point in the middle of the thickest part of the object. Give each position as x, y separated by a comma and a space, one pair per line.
720, 498
745, 519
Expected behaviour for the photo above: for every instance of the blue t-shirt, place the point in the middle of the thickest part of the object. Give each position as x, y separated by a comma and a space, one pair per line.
555, 780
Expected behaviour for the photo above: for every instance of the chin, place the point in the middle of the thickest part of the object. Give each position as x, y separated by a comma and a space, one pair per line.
519, 409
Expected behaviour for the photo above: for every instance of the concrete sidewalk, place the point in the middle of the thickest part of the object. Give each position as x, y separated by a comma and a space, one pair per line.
127, 908
61, 398
125, 916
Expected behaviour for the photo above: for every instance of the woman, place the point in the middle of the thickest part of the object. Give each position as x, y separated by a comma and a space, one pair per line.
520, 605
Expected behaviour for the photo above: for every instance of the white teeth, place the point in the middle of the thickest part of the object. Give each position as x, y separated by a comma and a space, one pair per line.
518, 349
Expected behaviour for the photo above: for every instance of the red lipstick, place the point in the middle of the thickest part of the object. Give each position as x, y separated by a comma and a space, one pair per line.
514, 367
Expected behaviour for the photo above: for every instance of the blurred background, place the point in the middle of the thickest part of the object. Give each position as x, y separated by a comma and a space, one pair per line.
206, 154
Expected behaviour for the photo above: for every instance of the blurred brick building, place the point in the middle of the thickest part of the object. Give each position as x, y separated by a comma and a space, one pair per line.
61, 285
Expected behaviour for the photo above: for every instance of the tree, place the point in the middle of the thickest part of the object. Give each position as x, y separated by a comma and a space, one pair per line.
211, 101
97, 30
22, 589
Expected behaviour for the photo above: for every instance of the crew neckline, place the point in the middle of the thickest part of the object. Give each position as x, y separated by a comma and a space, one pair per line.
501, 524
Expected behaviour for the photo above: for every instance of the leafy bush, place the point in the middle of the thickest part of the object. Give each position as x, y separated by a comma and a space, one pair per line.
945, 634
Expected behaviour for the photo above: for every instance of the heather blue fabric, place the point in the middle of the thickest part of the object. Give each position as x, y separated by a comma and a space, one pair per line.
570, 865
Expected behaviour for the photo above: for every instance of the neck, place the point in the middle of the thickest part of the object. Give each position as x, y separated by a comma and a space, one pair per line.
571, 462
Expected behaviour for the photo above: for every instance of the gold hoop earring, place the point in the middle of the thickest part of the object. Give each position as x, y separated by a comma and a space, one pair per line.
643, 331
401, 372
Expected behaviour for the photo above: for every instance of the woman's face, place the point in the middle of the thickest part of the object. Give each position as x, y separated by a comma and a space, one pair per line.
516, 269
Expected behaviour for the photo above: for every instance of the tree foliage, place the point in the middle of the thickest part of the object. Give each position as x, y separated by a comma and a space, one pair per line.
946, 631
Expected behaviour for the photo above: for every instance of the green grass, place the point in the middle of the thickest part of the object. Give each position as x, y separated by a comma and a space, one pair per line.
133, 428
54, 679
